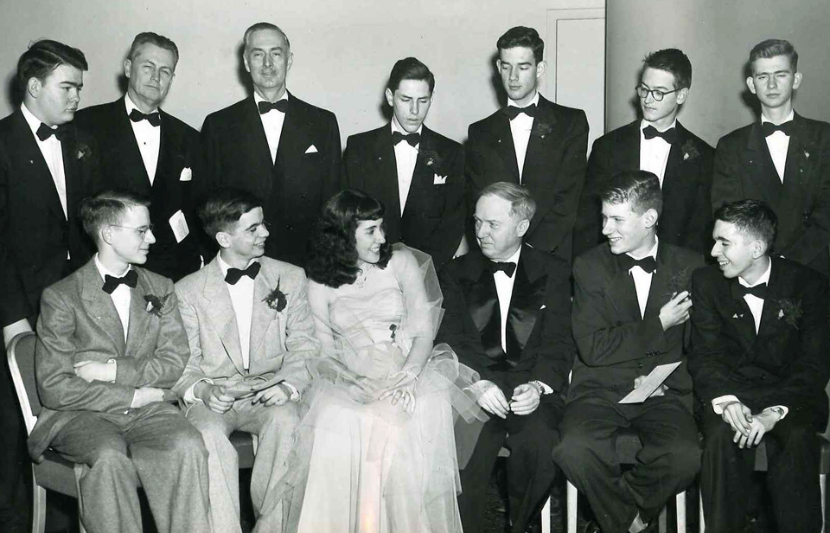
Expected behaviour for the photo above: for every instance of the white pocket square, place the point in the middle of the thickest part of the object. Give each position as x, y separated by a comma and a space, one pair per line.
186, 174
543, 306
439, 180
311, 150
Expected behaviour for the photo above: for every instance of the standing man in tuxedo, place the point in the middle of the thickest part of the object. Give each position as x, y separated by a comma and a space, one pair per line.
759, 364
276, 146
110, 346
152, 153
784, 159
532, 142
417, 173
508, 318
661, 145
248, 321
631, 305
46, 167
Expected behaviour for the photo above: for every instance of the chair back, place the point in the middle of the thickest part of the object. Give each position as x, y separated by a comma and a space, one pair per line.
21, 356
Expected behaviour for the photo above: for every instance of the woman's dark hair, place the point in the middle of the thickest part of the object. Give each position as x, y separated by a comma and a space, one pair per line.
333, 257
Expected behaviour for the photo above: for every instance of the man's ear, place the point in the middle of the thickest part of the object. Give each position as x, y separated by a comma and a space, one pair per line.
759, 248
522, 228
797, 80
390, 98
33, 87
290, 61
540, 68
682, 94
128, 65
223, 239
105, 234
650, 217
750, 83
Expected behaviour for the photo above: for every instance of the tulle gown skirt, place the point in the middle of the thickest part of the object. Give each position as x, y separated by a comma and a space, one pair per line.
372, 467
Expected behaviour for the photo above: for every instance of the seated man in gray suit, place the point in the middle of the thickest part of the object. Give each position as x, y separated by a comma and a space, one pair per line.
250, 333
110, 341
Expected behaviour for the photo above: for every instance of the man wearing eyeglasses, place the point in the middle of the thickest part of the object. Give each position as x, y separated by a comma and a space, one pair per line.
657, 142
152, 153
782, 159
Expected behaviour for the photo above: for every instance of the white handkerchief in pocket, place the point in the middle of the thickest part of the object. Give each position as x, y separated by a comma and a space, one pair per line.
312, 150
186, 174
439, 180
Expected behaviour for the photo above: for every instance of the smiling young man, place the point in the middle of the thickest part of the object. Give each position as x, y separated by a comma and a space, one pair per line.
275, 146
416, 172
248, 320
532, 142
759, 363
783, 159
110, 346
656, 142
631, 305
508, 318
152, 153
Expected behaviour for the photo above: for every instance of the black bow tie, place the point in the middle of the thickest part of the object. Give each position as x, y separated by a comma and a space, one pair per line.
411, 138
505, 266
512, 111
279, 105
670, 135
739, 291
769, 128
111, 283
648, 264
235, 274
44, 132
153, 118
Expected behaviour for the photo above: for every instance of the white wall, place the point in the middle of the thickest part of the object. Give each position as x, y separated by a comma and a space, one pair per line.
343, 49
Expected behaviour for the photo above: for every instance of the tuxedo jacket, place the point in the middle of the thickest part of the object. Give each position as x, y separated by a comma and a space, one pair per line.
616, 344
35, 235
686, 219
538, 319
744, 169
294, 186
433, 218
785, 363
554, 169
122, 167
79, 322
281, 341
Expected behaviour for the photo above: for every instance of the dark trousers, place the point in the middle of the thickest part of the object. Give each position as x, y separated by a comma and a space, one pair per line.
14, 457
792, 475
666, 464
530, 468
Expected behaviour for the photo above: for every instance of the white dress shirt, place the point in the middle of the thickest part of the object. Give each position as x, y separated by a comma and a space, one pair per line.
778, 144
405, 158
642, 279
52, 154
148, 138
520, 127
121, 296
654, 153
504, 290
272, 122
242, 299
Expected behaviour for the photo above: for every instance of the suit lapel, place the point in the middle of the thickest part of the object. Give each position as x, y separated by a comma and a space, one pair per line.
128, 148
503, 143
40, 174
221, 313
628, 152
543, 133
139, 316
657, 296
253, 129
674, 165
386, 176
483, 304
99, 306
527, 299
262, 316
168, 150
741, 315
764, 176
424, 173
294, 140
622, 293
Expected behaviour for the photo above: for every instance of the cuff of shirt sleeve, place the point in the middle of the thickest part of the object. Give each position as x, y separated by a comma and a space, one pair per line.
189, 396
546, 389
295, 394
720, 401
782, 409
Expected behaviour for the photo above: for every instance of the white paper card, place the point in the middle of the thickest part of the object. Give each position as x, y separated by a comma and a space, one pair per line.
655, 378
179, 226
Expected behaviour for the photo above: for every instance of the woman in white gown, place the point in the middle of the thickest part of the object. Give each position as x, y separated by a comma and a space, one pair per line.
376, 450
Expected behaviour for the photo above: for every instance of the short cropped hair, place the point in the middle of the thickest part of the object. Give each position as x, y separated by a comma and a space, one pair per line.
43, 57
771, 48
332, 259
674, 61
523, 37
410, 68
752, 217
149, 37
106, 209
264, 26
224, 207
639, 188
522, 204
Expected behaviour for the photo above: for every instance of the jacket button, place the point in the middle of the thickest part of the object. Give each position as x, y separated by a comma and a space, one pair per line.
640, 365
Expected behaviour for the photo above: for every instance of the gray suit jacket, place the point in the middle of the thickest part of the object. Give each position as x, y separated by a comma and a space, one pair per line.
78, 322
281, 341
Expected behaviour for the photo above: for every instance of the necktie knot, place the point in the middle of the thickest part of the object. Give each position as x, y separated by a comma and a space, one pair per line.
130, 279
759, 291
648, 264
514, 111
670, 135
235, 274
279, 105
44, 132
505, 266
412, 139
153, 118
769, 128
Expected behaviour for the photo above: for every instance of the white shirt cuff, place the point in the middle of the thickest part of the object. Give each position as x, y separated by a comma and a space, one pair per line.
189, 397
546, 389
295, 394
720, 401
782, 407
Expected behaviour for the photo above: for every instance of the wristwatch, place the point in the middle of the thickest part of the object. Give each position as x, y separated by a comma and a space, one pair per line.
778, 409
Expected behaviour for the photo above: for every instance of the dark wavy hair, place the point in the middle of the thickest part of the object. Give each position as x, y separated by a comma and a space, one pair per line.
753, 218
333, 257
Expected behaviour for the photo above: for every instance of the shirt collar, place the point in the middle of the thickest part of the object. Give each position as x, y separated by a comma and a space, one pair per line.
130, 105
399, 129
789, 117
258, 98
512, 259
535, 101
652, 252
31, 119
763, 279
645, 123
104, 271
223, 266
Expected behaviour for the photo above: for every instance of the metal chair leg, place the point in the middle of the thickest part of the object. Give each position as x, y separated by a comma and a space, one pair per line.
546, 516
680, 503
572, 496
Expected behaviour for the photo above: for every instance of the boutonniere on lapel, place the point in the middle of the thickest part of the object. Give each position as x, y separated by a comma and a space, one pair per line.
276, 299
82, 151
431, 159
540, 129
789, 311
689, 150
155, 303
679, 282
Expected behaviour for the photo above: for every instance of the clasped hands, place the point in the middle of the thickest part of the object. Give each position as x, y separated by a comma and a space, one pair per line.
399, 388
90, 371
219, 401
524, 401
749, 429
